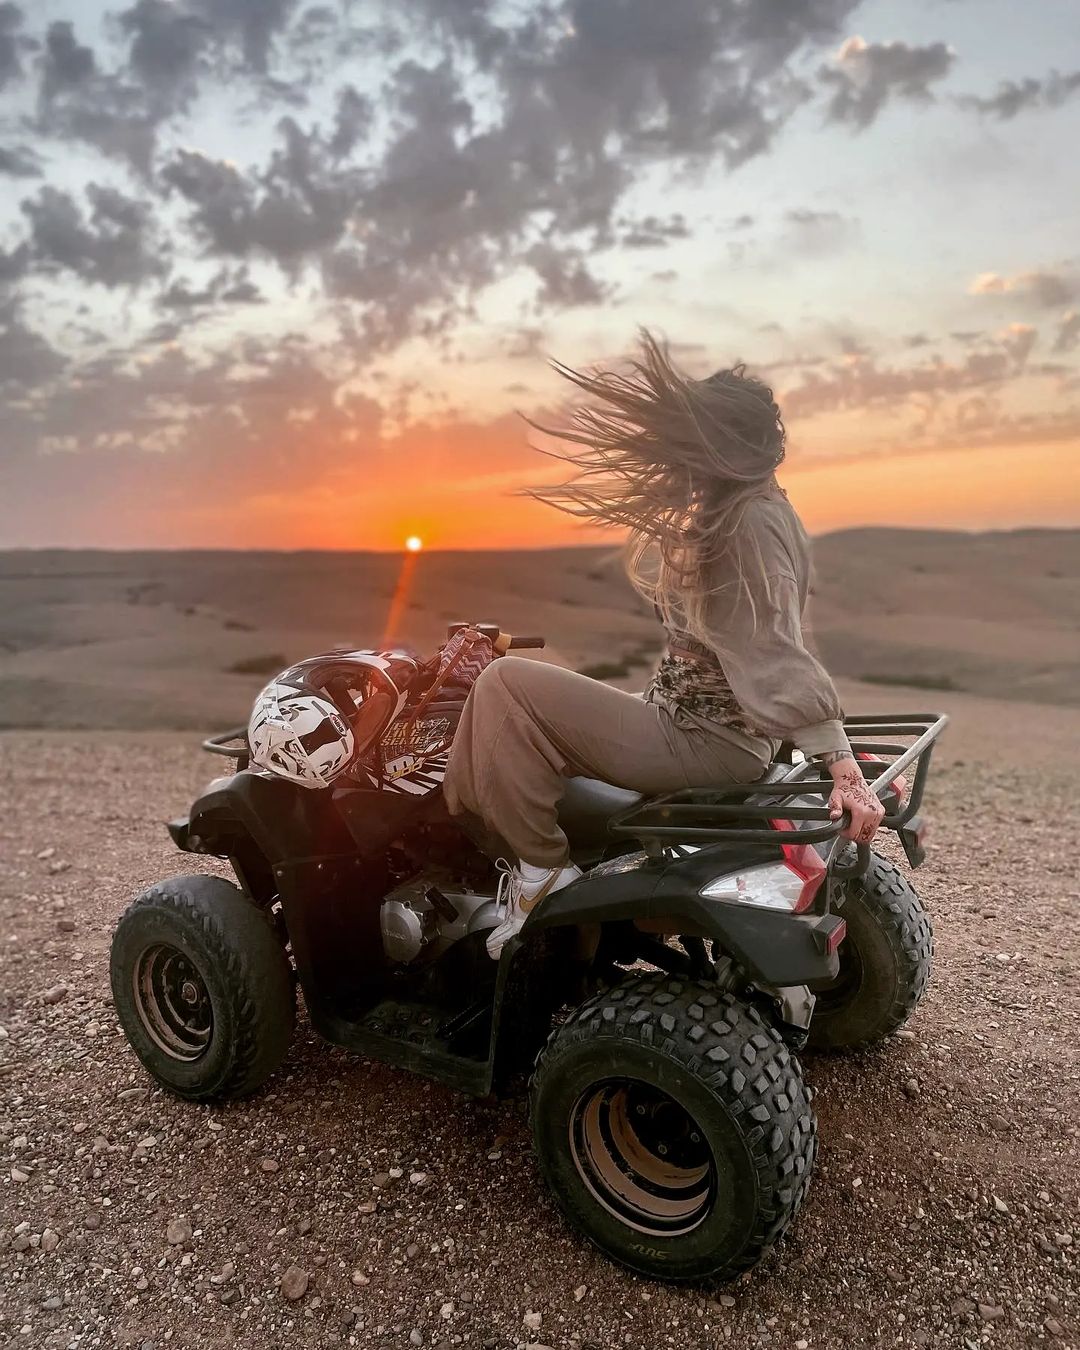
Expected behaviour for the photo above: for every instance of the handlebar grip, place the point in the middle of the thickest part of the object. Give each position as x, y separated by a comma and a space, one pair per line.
526, 642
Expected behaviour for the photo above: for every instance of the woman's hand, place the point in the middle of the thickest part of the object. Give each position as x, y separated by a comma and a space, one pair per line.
851, 793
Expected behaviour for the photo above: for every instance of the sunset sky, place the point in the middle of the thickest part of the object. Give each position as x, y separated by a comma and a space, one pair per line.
277, 274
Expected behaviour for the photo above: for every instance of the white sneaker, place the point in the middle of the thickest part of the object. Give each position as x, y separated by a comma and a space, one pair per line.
520, 890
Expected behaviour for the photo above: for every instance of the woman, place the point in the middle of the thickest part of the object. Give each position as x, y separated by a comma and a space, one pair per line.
689, 467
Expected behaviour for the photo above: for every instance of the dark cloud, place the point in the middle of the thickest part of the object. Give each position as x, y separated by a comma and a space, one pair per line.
11, 17
15, 264
114, 246
167, 45
565, 277
229, 287
862, 382
27, 360
66, 63
1068, 334
19, 161
653, 231
1016, 96
864, 76
1043, 288
816, 233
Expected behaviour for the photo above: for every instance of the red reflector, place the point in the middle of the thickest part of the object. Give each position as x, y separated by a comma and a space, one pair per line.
805, 861
838, 934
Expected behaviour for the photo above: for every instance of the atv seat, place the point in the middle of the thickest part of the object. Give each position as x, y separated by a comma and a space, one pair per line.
588, 804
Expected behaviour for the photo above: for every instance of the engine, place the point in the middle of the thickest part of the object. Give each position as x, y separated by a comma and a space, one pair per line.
426, 915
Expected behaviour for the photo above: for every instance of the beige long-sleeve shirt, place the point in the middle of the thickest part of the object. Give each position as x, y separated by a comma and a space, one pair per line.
767, 682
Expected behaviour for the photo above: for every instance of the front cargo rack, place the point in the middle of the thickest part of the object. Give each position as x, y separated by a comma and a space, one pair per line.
718, 815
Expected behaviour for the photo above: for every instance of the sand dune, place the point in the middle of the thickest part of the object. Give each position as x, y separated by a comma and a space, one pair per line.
179, 639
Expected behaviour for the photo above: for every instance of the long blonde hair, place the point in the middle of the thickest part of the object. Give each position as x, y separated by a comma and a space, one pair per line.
676, 461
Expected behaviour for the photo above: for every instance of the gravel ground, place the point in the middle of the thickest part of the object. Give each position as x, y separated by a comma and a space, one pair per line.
353, 1204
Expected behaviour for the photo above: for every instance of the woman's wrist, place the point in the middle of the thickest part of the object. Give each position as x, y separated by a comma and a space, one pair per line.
836, 761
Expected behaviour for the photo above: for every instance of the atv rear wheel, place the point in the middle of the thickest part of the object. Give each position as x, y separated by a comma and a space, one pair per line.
673, 1127
202, 987
885, 962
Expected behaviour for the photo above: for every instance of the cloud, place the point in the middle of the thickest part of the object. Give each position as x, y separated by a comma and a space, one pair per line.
113, 247
653, 231
1068, 334
1016, 96
859, 381
1049, 290
19, 161
817, 233
864, 76
11, 17
566, 278
27, 360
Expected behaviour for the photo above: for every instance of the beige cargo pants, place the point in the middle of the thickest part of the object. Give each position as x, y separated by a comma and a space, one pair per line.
527, 725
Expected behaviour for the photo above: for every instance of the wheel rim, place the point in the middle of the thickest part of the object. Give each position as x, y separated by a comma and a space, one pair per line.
838, 992
173, 1002
643, 1157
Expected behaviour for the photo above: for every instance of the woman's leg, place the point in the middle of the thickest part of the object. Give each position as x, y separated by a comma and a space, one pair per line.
527, 725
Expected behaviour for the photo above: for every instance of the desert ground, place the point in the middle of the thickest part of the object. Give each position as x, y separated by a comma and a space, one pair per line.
945, 1209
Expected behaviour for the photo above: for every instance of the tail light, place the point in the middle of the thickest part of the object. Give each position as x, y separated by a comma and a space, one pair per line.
790, 885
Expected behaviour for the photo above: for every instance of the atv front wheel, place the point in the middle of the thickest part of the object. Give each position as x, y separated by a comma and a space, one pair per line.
885, 962
202, 987
673, 1127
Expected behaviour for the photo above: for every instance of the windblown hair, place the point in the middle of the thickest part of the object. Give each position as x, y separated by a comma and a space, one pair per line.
676, 461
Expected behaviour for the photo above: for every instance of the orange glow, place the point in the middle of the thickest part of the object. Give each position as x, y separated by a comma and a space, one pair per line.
414, 543
399, 599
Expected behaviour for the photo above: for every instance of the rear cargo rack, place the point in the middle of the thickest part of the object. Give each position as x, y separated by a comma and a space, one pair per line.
708, 815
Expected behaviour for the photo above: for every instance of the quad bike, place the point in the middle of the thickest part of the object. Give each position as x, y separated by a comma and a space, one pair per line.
657, 1000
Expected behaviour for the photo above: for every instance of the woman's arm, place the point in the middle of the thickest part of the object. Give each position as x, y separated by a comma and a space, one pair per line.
787, 692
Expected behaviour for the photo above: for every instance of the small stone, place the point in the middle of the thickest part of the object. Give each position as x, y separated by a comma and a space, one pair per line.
999, 1204
303, 1227
412, 1250
294, 1283
50, 1240
92, 1221
92, 1029
802, 1345
911, 1087
962, 1307
269, 1164
904, 1034
580, 1292
446, 1311
1063, 1239
531, 1321
178, 1232
66, 925
359, 1279
367, 1207
227, 1271
418, 1178
395, 1173
3, 1033
46, 854
57, 867
1054, 1327
726, 1301
991, 1312
416, 1337
17, 1174
130, 1094
229, 1295
380, 1179
55, 994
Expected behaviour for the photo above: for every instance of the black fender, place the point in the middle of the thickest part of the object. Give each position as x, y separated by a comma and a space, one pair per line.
774, 947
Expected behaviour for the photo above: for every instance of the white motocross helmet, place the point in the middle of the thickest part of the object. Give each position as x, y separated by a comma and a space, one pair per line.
299, 736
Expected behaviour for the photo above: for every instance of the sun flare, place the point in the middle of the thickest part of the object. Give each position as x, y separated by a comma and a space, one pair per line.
414, 543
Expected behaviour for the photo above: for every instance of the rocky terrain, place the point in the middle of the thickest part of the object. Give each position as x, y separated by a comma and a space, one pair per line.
351, 1204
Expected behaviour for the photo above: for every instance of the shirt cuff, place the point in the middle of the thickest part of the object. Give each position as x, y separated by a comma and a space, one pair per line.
820, 738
